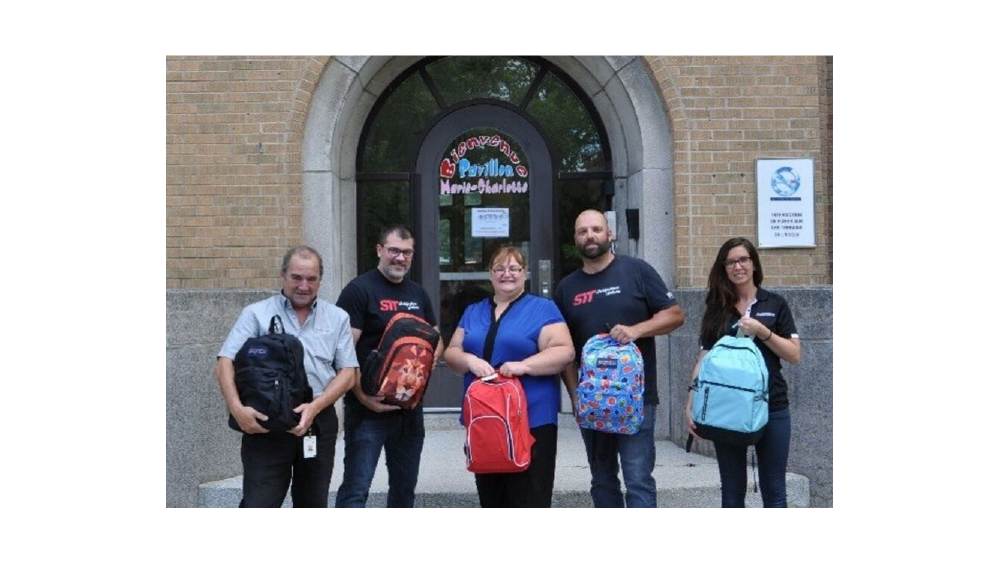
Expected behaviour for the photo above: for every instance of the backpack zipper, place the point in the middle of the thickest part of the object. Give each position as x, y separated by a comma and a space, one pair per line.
750, 390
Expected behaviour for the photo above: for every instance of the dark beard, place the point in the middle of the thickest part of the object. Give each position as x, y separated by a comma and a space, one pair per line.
597, 252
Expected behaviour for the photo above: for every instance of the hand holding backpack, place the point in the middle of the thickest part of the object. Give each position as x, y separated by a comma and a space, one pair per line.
271, 377
400, 367
730, 401
497, 433
611, 386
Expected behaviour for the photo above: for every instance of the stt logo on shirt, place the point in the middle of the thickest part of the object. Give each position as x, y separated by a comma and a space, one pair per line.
389, 305
588, 297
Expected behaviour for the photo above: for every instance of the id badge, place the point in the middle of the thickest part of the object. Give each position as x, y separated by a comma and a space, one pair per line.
309, 446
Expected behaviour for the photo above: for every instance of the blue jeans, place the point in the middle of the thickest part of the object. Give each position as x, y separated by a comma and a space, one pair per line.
772, 459
365, 435
638, 455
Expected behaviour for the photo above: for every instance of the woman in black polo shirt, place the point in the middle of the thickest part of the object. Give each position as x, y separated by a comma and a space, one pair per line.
736, 301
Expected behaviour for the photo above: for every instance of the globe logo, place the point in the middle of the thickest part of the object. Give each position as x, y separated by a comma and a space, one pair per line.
785, 181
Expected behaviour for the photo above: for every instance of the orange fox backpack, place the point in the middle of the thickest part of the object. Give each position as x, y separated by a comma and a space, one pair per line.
400, 367
497, 434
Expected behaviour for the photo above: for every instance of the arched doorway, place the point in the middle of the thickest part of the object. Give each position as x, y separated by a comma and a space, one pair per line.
474, 153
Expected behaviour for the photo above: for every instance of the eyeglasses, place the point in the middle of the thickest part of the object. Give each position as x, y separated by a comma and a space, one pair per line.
744, 261
514, 269
396, 252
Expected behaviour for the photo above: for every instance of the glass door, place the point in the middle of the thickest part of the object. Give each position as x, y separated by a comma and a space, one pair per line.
483, 205
485, 182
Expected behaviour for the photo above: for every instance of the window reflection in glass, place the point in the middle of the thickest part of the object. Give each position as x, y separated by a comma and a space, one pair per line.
392, 141
465, 78
567, 125
444, 243
473, 246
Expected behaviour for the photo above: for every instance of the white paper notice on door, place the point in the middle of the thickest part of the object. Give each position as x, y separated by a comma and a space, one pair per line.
490, 222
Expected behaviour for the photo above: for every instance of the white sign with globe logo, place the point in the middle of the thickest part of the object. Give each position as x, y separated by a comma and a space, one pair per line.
785, 181
785, 216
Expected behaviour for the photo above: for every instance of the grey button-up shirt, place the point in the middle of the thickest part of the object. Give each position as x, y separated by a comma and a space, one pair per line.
325, 336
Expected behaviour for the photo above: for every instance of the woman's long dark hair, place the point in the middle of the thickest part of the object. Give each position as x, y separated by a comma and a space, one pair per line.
722, 297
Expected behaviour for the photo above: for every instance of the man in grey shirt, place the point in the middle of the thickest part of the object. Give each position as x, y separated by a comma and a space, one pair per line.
269, 458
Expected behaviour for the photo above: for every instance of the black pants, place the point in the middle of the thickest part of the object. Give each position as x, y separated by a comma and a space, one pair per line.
772, 459
273, 460
531, 488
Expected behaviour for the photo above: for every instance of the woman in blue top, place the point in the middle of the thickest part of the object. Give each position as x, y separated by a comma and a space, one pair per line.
736, 301
518, 335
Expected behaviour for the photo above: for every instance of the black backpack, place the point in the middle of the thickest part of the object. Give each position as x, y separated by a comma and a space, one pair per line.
271, 377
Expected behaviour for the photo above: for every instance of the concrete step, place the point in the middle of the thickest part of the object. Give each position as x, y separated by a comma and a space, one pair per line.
682, 479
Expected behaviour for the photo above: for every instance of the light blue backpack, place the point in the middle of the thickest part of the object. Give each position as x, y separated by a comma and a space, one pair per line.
730, 399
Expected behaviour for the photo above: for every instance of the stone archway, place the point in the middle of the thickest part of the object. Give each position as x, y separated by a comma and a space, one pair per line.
622, 89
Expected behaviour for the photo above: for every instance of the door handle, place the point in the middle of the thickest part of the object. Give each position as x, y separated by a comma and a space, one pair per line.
545, 277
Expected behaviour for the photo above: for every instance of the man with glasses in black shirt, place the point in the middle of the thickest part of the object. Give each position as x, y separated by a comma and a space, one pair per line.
371, 300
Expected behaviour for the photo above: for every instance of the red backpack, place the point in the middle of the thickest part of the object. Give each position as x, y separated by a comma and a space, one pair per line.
497, 434
400, 367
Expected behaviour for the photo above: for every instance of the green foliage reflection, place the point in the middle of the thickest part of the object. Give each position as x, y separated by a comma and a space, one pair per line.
465, 78
568, 126
391, 145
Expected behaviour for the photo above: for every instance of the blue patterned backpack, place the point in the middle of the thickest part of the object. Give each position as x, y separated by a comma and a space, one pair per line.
611, 386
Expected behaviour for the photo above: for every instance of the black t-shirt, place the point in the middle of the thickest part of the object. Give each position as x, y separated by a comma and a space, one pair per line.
371, 301
772, 311
627, 292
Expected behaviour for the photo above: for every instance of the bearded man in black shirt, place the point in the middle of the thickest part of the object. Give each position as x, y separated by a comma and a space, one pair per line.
628, 297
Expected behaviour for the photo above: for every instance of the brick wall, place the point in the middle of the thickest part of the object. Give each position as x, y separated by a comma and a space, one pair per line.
233, 167
726, 112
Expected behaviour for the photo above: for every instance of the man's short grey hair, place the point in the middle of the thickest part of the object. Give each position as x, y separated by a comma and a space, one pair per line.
302, 251
399, 230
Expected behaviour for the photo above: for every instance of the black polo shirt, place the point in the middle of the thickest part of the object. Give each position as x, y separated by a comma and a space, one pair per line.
771, 310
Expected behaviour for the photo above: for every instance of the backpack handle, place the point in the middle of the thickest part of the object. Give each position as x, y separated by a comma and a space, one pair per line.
607, 334
494, 376
276, 326
746, 314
